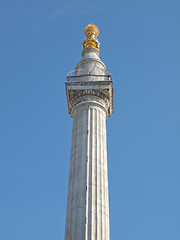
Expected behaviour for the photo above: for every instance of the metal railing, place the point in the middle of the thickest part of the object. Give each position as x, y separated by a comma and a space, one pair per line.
74, 77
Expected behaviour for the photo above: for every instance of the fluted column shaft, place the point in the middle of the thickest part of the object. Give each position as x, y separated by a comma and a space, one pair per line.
87, 216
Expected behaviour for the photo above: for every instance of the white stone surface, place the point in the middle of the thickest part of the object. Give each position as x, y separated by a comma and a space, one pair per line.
88, 206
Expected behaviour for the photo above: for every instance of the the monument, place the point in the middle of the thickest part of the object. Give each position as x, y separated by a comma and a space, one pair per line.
90, 101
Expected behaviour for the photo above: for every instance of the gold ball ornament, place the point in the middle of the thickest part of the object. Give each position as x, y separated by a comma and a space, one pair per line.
91, 31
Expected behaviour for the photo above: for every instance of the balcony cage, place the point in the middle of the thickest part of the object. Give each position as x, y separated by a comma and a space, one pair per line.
73, 76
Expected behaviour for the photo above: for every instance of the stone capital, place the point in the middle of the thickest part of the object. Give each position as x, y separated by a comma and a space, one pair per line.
91, 92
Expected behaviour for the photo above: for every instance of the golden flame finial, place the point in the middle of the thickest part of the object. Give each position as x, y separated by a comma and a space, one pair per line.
91, 31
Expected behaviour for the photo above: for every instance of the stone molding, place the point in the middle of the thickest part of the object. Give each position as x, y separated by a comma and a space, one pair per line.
99, 92
87, 50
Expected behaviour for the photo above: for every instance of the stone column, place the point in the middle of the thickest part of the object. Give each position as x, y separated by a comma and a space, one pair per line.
90, 101
88, 206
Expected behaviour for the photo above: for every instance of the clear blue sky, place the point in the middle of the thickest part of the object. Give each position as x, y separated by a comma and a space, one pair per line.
40, 42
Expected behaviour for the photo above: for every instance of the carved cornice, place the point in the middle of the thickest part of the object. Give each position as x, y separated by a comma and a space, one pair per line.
99, 92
